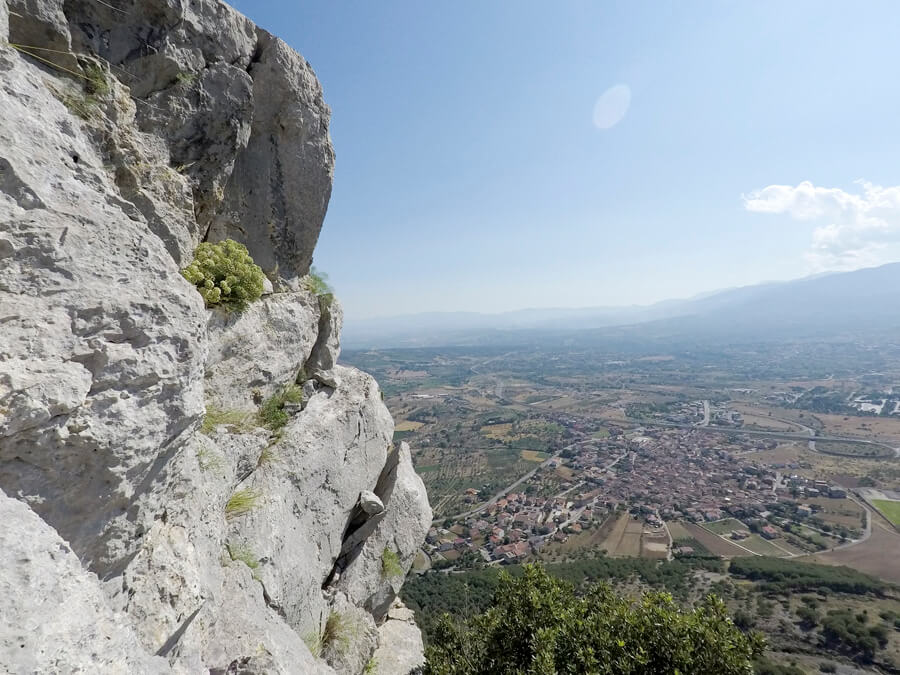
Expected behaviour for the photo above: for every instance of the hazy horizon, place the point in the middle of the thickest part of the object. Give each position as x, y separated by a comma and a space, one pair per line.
499, 156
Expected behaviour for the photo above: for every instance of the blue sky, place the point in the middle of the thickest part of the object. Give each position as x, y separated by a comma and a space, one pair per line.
471, 174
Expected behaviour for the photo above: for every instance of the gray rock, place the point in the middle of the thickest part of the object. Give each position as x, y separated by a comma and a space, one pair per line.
370, 503
259, 349
222, 546
400, 648
40, 23
327, 349
401, 528
278, 193
55, 616
103, 344
326, 456
4, 25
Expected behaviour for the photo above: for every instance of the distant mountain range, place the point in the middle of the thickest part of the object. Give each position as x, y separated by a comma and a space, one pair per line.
841, 303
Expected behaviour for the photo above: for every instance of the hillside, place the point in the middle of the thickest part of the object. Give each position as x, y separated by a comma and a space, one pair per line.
847, 303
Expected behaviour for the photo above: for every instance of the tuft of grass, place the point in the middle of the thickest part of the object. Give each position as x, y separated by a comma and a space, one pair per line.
313, 642
185, 77
96, 80
272, 414
207, 459
337, 633
371, 667
267, 456
242, 502
237, 421
390, 564
316, 282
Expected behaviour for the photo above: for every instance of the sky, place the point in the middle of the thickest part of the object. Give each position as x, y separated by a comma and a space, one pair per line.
500, 155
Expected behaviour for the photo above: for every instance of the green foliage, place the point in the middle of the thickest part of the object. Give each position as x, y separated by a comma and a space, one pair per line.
207, 459
246, 555
96, 82
430, 595
225, 274
336, 634
316, 282
390, 564
537, 625
851, 634
272, 414
184, 77
787, 575
371, 667
267, 456
237, 421
242, 502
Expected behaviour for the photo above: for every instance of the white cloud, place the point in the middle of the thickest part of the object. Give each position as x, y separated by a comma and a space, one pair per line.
611, 107
858, 230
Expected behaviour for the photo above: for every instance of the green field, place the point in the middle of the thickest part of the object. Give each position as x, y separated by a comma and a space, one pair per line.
890, 509
725, 526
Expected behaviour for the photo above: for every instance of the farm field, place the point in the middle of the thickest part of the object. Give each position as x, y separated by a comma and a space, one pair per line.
714, 542
678, 530
726, 526
878, 555
843, 512
889, 508
408, 425
534, 455
625, 538
762, 546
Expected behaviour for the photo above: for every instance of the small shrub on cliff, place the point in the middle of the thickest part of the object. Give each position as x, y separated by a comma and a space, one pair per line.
390, 564
225, 274
537, 625
272, 414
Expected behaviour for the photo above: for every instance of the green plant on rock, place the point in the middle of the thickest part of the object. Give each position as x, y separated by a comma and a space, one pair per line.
316, 282
390, 564
225, 274
207, 459
272, 414
244, 554
237, 421
242, 502
371, 667
337, 633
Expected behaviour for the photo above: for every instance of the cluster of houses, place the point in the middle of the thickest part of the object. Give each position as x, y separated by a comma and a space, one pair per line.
658, 474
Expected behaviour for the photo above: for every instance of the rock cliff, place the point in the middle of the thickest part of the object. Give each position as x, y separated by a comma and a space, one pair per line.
152, 524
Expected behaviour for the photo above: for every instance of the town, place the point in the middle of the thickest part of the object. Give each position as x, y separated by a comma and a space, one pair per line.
655, 476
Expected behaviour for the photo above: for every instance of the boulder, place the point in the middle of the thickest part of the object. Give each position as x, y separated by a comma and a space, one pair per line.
55, 616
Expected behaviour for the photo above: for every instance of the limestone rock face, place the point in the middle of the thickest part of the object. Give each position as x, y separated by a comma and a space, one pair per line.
400, 645
55, 617
251, 352
151, 523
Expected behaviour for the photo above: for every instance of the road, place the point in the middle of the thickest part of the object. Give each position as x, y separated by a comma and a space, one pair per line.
705, 422
793, 436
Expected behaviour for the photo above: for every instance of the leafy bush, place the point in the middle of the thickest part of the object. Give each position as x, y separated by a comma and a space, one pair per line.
272, 414
225, 274
537, 625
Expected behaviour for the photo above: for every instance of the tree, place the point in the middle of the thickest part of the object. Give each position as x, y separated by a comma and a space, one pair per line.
537, 625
